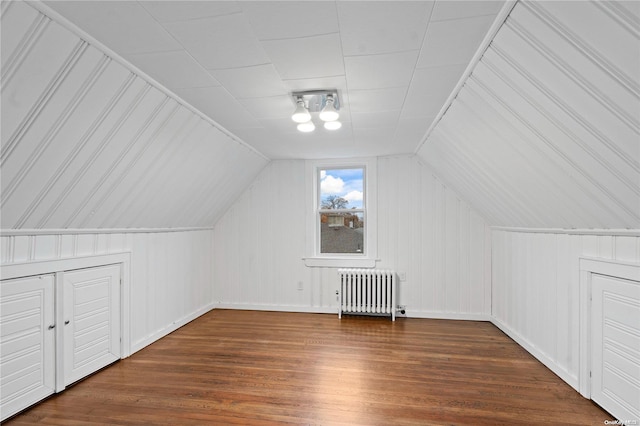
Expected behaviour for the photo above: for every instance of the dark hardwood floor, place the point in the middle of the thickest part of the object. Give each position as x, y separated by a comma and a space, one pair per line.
246, 367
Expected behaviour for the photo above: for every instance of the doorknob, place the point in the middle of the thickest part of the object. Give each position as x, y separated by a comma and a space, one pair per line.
66, 322
52, 326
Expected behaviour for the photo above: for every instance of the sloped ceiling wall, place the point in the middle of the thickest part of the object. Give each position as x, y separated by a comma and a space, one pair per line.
86, 143
546, 131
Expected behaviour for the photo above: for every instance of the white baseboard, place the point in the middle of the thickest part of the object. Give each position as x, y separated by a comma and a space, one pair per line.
537, 353
446, 315
146, 341
278, 308
334, 310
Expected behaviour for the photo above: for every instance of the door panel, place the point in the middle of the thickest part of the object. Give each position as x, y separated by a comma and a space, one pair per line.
615, 345
92, 309
27, 348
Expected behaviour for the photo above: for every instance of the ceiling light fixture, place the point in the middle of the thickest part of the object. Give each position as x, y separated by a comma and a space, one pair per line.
332, 125
306, 127
301, 114
329, 112
323, 104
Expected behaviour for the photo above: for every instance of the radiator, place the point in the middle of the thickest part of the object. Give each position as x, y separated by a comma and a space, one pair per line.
367, 291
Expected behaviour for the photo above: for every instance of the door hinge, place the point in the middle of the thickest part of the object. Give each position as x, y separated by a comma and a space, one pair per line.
589, 373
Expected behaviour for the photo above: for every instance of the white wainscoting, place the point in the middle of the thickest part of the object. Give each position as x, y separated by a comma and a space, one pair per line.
424, 230
535, 294
171, 272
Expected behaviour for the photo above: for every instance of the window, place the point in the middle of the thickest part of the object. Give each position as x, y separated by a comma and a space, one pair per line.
341, 222
341, 211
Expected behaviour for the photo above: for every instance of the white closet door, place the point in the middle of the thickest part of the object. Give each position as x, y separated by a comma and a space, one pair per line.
27, 342
615, 346
91, 320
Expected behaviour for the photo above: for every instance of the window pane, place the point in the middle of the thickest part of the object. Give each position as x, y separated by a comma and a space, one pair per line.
341, 188
342, 232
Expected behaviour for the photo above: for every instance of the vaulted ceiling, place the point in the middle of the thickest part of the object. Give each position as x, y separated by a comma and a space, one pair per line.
394, 63
543, 132
546, 131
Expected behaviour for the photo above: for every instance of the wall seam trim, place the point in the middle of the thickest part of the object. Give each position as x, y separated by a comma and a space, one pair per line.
604, 232
34, 232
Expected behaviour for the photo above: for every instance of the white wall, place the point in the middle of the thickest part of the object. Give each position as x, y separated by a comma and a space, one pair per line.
536, 278
171, 272
424, 230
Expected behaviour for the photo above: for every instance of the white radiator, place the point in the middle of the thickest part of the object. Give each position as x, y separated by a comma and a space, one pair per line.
367, 291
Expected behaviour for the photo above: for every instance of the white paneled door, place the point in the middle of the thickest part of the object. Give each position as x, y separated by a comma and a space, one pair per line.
27, 342
91, 320
615, 345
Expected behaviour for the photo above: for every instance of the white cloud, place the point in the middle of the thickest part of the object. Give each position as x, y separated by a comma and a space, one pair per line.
353, 196
331, 185
323, 174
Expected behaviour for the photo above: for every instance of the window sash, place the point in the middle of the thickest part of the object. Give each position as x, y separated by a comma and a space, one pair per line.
320, 211
313, 255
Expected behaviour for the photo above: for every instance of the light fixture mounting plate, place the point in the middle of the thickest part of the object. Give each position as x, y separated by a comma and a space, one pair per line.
315, 100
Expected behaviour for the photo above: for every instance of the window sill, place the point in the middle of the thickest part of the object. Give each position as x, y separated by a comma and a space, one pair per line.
339, 262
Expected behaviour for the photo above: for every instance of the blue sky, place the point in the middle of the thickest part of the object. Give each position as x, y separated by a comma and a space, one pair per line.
346, 183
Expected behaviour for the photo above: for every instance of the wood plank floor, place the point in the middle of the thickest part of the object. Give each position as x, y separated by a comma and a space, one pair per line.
246, 367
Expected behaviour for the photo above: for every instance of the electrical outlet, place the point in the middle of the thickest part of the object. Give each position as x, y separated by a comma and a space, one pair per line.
300, 285
401, 311
402, 276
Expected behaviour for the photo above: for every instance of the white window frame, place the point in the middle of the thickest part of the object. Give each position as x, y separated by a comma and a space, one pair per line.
313, 256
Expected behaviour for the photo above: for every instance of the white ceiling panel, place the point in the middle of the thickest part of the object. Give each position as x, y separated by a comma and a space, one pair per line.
274, 20
308, 57
124, 26
171, 11
258, 52
445, 10
18, 16
429, 90
305, 145
382, 27
454, 41
378, 119
30, 77
615, 48
337, 82
258, 133
535, 131
376, 100
219, 42
409, 130
278, 107
279, 125
380, 71
217, 102
381, 138
174, 70
251, 82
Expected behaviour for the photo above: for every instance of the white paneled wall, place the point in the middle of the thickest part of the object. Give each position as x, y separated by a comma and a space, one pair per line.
171, 272
536, 280
89, 143
424, 230
545, 132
